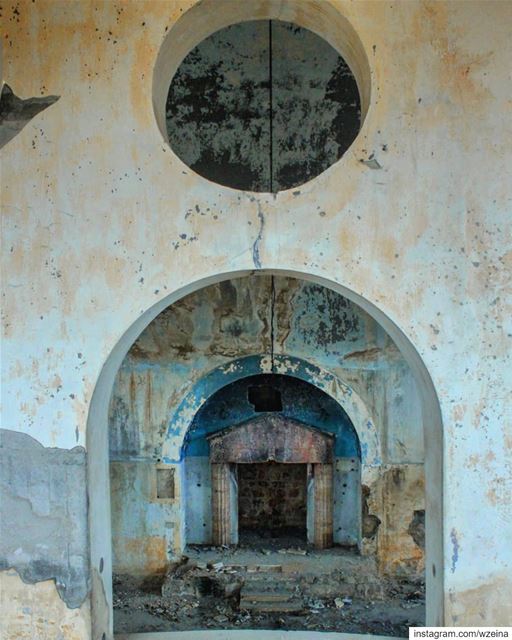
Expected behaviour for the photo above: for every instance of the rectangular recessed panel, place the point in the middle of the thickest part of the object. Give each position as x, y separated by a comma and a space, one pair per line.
165, 484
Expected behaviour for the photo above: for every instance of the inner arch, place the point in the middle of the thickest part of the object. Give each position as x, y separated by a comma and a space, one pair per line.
271, 497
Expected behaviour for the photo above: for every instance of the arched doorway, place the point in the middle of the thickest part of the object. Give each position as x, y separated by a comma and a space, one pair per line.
97, 438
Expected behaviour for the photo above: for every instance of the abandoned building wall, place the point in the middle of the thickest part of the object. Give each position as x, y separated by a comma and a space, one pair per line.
101, 221
44, 615
239, 318
147, 527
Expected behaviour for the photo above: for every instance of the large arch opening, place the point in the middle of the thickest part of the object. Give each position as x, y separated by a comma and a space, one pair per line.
98, 446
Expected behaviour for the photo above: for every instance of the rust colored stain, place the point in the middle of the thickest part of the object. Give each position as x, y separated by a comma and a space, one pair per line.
133, 392
153, 549
458, 70
140, 87
271, 438
489, 603
393, 556
395, 498
366, 354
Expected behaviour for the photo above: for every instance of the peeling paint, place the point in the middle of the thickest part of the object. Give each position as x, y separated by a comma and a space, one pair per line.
262, 106
15, 112
36, 611
44, 521
191, 399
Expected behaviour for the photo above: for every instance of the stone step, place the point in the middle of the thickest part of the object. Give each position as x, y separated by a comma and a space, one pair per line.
266, 596
252, 603
254, 568
264, 568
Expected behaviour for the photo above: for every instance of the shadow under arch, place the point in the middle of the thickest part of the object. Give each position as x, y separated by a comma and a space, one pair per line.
98, 485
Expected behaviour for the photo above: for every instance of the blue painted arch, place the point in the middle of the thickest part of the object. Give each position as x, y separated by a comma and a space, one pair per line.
175, 445
301, 401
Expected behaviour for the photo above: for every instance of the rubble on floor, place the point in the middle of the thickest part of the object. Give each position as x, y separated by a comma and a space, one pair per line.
268, 589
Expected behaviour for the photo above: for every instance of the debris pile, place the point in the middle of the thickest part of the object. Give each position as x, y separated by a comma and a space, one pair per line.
288, 589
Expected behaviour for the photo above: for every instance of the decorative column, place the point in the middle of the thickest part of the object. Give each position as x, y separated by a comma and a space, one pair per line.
221, 515
323, 532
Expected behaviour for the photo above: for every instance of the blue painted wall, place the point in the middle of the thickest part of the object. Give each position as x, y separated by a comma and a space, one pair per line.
219, 334
300, 400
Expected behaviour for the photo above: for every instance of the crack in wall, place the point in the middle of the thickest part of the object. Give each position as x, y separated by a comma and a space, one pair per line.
256, 245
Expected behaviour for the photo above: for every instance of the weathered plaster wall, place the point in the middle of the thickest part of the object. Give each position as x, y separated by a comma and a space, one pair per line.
233, 319
144, 526
300, 400
35, 611
101, 221
397, 499
43, 528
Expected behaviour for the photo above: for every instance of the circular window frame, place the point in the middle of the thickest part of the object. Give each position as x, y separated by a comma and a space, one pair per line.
208, 16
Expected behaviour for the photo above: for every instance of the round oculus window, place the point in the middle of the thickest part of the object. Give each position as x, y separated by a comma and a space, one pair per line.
262, 106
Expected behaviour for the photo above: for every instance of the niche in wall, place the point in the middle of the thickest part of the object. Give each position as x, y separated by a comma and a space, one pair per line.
272, 500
